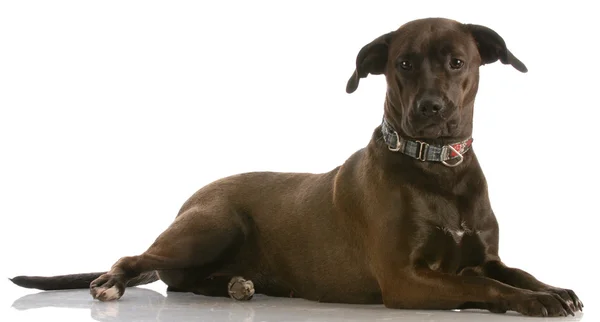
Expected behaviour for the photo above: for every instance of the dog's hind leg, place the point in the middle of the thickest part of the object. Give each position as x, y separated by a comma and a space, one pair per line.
199, 238
240, 289
235, 287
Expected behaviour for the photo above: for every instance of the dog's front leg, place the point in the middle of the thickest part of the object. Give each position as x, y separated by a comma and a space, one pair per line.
497, 270
427, 289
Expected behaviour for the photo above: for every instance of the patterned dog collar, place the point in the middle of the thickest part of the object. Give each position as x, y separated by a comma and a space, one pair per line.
423, 151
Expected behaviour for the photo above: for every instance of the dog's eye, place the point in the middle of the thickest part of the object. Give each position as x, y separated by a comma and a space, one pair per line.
456, 63
406, 65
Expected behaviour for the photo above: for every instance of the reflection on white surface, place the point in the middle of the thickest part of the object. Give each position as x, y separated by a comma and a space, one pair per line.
140, 304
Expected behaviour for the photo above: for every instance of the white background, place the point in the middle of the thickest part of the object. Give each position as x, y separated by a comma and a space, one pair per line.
112, 113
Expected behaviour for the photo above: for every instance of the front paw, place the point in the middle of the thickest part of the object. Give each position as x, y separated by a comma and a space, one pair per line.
540, 304
569, 296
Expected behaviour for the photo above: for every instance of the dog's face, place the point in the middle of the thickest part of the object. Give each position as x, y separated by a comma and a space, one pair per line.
432, 72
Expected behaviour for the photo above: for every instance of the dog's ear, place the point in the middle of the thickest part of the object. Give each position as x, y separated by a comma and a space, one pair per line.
371, 59
492, 47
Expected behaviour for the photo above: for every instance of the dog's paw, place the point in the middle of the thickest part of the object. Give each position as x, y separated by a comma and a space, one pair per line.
569, 296
240, 289
107, 288
541, 304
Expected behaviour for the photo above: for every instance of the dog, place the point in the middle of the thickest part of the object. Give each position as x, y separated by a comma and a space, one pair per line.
405, 221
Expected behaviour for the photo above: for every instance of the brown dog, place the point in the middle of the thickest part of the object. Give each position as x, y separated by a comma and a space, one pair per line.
405, 221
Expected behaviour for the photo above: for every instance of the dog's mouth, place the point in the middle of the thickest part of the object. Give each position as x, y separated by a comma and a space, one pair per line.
425, 126
443, 126
433, 129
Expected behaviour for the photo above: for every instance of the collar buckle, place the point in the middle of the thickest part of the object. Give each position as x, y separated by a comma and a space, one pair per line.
422, 153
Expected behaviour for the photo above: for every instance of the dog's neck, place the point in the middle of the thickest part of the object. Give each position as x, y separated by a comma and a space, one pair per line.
449, 155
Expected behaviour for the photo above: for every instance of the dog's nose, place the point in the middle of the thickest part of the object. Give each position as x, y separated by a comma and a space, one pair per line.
430, 106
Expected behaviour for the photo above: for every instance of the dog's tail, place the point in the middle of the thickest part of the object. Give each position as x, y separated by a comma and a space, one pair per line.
75, 281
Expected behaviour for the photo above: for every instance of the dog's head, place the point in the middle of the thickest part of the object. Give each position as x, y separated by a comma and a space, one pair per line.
432, 72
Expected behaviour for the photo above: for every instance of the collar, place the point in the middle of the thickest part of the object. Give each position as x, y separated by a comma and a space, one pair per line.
423, 151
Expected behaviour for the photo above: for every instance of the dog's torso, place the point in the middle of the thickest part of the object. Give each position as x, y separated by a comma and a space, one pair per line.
344, 215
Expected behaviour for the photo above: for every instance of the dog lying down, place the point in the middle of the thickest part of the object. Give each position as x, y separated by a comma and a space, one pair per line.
405, 221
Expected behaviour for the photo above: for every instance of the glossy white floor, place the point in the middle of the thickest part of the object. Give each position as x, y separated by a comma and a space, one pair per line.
153, 304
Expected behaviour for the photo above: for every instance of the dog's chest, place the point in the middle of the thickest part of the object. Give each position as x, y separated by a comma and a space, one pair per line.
449, 237
457, 233
451, 249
